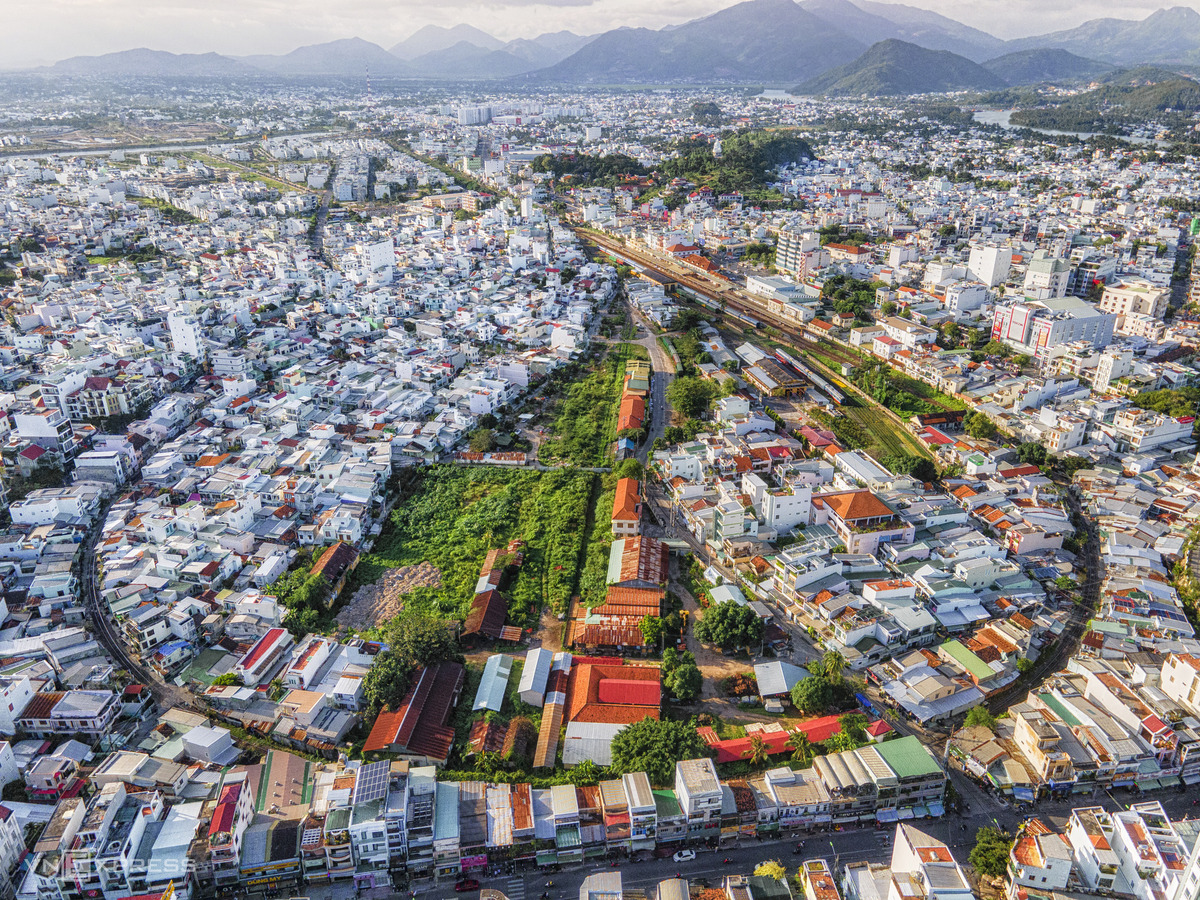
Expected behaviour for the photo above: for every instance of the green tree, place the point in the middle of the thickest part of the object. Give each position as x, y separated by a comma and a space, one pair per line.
800, 745
832, 664
630, 468
758, 752
989, 856
654, 746
855, 725
919, 467
651, 628
691, 395
685, 682
812, 695
421, 638
978, 715
729, 625
771, 868
997, 348
841, 741
482, 440
227, 680
979, 426
385, 684
1024, 666
586, 774
1032, 453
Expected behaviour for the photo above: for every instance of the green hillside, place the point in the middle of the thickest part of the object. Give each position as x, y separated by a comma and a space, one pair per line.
894, 67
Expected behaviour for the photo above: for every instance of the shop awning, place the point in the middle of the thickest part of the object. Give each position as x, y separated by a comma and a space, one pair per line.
920, 811
886, 815
905, 813
937, 808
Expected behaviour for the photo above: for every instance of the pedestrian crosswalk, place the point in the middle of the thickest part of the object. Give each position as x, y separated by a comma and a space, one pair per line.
515, 889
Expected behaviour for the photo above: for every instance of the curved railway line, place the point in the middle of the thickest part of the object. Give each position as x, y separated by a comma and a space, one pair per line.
737, 304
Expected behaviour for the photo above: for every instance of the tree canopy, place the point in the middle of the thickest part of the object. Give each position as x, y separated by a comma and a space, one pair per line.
680, 674
729, 625
421, 638
691, 395
385, 684
918, 467
813, 694
989, 856
771, 868
978, 715
1032, 453
653, 746
979, 426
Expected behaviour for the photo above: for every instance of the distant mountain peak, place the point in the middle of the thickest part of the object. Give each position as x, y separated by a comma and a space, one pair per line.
894, 67
435, 38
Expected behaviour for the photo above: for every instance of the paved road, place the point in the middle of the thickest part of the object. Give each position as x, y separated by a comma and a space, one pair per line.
662, 366
1064, 648
107, 634
322, 214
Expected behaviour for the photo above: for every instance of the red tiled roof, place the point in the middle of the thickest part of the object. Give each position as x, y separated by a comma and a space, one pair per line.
632, 601
264, 643
851, 506
41, 705
625, 504
643, 559
583, 694
625, 690
419, 725
335, 562
489, 610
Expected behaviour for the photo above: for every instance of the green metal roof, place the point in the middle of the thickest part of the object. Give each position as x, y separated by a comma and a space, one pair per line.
614, 561
665, 803
968, 660
907, 757
1059, 708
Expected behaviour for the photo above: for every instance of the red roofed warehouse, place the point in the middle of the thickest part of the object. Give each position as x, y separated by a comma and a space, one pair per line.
420, 729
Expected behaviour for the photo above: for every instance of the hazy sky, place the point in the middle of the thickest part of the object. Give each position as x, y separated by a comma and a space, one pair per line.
36, 33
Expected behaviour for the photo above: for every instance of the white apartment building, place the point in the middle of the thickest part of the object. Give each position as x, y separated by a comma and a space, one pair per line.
990, 264
187, 335
1046, 276
1135, 296
699, 792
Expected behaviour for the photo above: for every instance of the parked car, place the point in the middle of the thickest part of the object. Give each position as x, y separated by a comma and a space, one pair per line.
467, 884
684, 855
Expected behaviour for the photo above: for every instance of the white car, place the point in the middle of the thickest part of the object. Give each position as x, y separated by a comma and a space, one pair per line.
684, 855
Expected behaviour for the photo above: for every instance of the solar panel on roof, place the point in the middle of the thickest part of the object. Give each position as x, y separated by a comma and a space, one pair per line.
372, 782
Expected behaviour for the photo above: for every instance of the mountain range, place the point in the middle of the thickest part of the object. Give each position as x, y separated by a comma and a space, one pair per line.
825, 46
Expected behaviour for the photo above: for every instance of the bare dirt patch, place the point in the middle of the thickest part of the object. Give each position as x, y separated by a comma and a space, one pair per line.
383, 599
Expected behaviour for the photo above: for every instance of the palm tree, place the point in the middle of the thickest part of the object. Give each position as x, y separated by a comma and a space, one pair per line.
800, 745
758, 751
833, 663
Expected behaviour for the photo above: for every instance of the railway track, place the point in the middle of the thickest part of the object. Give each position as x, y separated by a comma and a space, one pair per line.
736, 299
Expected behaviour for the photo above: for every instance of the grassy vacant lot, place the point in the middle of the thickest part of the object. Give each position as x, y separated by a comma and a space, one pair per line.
453, 515
886, 438
585, 424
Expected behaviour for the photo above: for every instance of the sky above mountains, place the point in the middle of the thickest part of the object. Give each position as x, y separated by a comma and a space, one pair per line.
40, 33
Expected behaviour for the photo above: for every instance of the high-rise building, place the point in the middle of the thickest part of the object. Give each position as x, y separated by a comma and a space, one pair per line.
186, 335
990, 264
1047, 276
